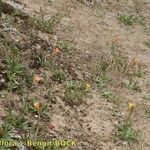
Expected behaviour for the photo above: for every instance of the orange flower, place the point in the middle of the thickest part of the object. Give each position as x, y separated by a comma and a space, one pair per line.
38, 79
37, 105
56, 50
116, 39
135, 61
51, 126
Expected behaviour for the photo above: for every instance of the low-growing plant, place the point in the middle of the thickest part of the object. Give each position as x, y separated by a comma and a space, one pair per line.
46, 25
29, 107
147, 112
119, 62
103, 65
51, 1
14, 51
138, 73
110, 96
125, 130
59, 76
65, 45
116, 62
126, 19
15, 72
147, 43
74, 92
147, 97
130, 19
29, 79
127, 133
37, 61
13, 121
102, 81
133, 85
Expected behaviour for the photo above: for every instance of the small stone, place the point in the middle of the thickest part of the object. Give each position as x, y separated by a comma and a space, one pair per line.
116, 122
124, 143
36, 116
2, 80
126, 82
89, 102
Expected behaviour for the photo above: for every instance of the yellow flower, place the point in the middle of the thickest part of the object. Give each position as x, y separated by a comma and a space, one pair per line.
88, 86
131, 105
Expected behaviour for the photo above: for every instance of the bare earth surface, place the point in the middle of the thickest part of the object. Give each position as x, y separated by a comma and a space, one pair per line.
91, 26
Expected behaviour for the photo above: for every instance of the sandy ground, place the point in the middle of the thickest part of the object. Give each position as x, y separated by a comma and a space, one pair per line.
91, 26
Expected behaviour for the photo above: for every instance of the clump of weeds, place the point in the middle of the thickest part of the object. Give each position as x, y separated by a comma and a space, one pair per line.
75, 92
17, 75
65, 45
125, 130
126, 19
147, 43
130, 19
46, 25
59, 76
111, 96
15, 72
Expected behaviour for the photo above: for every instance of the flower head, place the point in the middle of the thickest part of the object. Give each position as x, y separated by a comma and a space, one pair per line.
131, 106
88, 86
37, 106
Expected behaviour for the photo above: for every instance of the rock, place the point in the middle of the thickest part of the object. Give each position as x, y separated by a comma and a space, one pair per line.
7, 8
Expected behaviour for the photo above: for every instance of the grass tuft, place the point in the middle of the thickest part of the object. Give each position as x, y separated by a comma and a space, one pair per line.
127, 133
74, 92
126, 19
